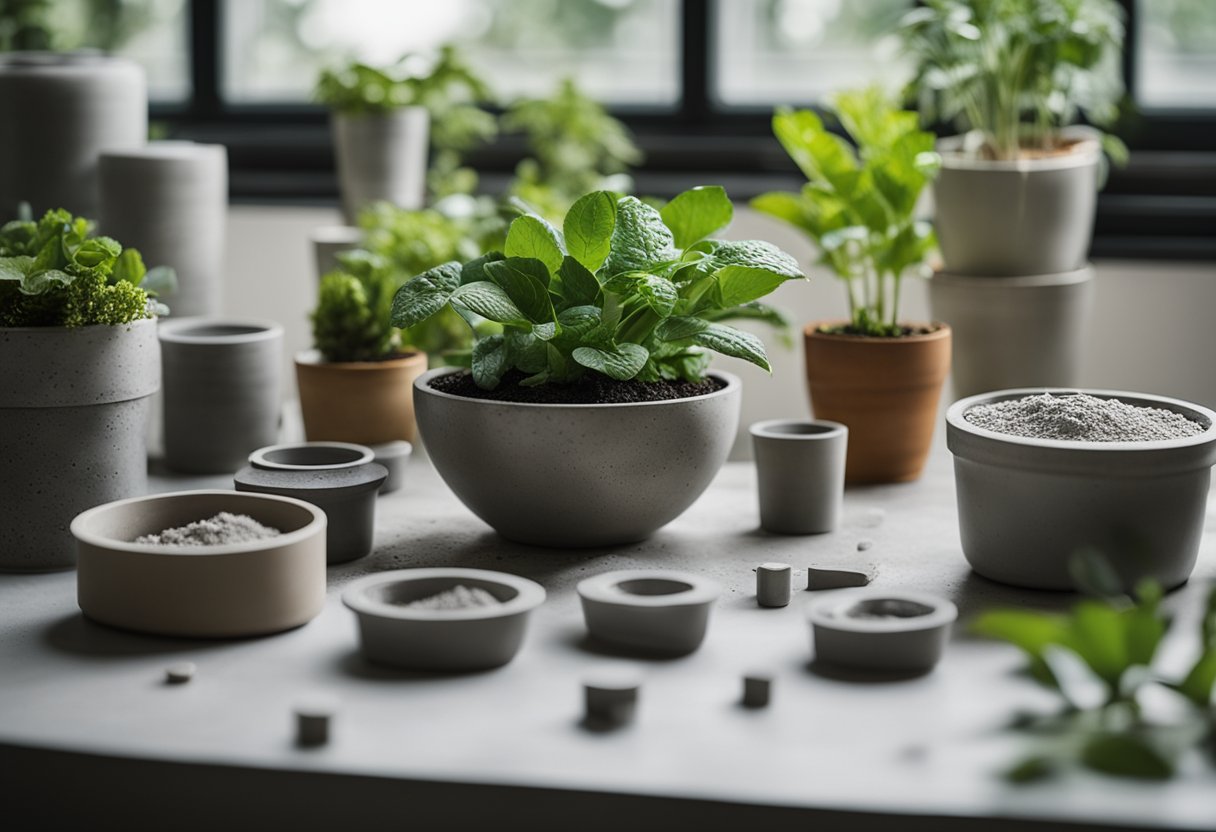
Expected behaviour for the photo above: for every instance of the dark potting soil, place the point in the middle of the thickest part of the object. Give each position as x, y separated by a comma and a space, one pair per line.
905, 331
592, 388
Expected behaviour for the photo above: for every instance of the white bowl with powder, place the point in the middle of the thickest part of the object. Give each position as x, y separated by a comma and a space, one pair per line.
1042, 473
215, 578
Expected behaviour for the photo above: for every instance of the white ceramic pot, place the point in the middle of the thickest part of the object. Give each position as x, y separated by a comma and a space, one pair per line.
381, 156
74, 409
577, 475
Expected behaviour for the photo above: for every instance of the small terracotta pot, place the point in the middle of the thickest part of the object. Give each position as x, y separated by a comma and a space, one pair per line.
885, 390
366, 402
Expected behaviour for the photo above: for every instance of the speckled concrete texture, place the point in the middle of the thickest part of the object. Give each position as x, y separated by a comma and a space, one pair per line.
577, 475
74, 406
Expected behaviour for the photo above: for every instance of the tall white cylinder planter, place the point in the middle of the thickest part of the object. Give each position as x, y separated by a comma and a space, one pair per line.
74, 406
61, 112
221, 379
170, 201
381, 157
1014, 332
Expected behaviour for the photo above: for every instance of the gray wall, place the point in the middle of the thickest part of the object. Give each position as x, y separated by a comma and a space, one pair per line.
1152, 329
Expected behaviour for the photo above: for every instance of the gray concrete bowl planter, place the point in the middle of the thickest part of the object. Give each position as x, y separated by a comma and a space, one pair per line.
220, 591
577, 475
880, 631
1020, 216
381, 156
648, 611
338, 477
1014, 331
74, 408
1026, 506
475, 638
221, 383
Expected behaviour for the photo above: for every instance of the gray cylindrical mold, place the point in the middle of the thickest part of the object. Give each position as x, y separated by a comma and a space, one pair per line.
381, 156
1014, 331
800, 473
1016, 217
74, 405
62, 111
170, 201
329, 241
221, 381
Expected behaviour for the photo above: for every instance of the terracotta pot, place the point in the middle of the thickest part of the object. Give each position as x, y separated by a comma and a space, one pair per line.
885, 390
367, 402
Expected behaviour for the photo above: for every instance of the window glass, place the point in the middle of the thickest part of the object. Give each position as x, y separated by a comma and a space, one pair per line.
1176, 53
620, 51
796, 51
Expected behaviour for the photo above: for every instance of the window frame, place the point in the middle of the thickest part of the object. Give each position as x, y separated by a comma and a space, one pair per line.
1162, 205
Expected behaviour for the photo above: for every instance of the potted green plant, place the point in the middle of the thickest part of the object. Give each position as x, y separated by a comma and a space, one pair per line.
593, 407
384, 120
355, 384
878, 375
1017, 190
81, 361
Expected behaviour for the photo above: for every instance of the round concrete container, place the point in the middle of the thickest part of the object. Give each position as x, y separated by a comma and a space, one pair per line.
1027, 506
74, 407
381, 156
577, 475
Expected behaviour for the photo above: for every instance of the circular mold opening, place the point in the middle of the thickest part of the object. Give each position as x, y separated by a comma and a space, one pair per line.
798, 429
654, 586
405, 592
312, 456
220, 331
887, 609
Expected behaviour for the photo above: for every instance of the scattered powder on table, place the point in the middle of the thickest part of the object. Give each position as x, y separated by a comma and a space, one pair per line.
459, 597
214, 531
1082, 418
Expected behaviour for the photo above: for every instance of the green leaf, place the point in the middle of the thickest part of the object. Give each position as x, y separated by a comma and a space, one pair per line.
532, 237
489, 301
424, 295
526, 282
733, 342
159, 281
1096, 633
475, 270
681, 328
1093, 574
1126, 755
738, 285
640, 239
578, 286
130, 267
659, 293
756, 254
528, 353
546, 331
39, 282
1032, 770
784, 206
578, 320
588, 228
490, 361
16, 268
697, 213
621, 363
1199, 682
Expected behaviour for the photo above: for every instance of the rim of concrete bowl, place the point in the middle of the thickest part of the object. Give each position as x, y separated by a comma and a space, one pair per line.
331, 456
366, 596
649, 588
927, 612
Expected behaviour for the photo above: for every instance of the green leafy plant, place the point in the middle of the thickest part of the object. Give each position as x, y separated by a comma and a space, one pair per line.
1013, 72
621, 289
55, 273
859, 205
1099, 658
575, 146
448, 87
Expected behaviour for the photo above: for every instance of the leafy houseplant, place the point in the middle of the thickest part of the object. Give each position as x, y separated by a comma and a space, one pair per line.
78, 335
874, 373
1016, 195
382, 118
593, 403
1098, 657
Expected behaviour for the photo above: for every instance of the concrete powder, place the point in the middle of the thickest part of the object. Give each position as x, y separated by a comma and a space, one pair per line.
459, 597
214, 531
1081, 418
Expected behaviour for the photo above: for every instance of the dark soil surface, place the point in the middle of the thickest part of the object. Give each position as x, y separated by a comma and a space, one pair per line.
904, 331
593, 388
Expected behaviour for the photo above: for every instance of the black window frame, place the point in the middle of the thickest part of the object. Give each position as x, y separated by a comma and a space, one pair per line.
1162, 205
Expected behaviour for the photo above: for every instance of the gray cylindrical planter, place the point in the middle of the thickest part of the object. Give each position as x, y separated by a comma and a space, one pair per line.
1014, 331
74, 405
329, 241
62, 112
1016, 217
577, 475
381, 156
1027, 506
800, 474
170, 201
221, 381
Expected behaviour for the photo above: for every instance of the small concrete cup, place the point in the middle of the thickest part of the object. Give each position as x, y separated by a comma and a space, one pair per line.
800, 468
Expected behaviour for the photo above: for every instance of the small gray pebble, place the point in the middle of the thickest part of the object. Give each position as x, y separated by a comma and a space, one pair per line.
179, 674
863, 545
757, 689
817, 579
313, 717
